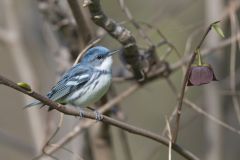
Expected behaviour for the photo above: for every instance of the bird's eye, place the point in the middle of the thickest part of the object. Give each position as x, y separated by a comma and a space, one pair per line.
99, 57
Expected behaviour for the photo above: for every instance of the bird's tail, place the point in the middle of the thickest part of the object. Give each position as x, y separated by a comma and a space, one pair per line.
34, 104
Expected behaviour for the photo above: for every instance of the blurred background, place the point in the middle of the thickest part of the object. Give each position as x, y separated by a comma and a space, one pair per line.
38, 44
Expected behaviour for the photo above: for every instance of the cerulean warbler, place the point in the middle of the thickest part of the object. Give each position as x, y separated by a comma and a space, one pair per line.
86, 82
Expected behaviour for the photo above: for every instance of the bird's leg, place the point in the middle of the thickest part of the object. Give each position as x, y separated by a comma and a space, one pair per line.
98, 116
81, 113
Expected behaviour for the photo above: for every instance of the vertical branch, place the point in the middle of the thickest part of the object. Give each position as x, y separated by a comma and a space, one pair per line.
84, 28
72, 37
233, 23
213, 101
99, 139
180, 102
170, 140
24, 69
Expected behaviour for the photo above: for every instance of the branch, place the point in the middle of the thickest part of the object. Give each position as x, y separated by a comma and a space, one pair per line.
211, 117
121, 34
180, 102
205, 52
160, 72
88, 123
70, 111
233, 61
83, 27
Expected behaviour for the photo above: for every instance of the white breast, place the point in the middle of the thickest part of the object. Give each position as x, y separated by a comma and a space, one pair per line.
96, 90
92, 93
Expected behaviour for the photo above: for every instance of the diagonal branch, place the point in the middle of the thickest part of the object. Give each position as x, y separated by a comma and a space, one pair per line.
70, 111
121, 34
82, 126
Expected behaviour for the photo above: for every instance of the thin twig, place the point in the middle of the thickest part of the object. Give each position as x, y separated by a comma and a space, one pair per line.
170, 140
205, 52
199, 110
88, 123
55, 132
153, 58
51, 137
170, 119
70, 111
159, 72
165, 40
185, 82
211, 117
85, 50
128, 14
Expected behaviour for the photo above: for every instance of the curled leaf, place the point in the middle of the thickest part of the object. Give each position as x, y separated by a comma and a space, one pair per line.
217, 28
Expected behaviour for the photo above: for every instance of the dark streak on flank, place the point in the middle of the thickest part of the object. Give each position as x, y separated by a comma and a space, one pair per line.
95, 84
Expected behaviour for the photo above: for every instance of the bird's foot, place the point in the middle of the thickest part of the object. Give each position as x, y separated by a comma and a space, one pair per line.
81, 114
98, 115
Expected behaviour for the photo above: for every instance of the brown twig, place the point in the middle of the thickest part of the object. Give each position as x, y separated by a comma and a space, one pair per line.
70, 111
175, 66
204, 52
211, 117
170, 140
51, 137
164, 41
85, 49
153, 58
199, 110
88, 123
179, 108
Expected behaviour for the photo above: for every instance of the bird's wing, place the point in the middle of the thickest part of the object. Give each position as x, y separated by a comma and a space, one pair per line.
76, 77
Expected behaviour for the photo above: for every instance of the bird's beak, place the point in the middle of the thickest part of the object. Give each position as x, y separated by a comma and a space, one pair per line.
113, 52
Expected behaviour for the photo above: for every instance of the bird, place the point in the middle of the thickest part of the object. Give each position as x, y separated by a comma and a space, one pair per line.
86, 82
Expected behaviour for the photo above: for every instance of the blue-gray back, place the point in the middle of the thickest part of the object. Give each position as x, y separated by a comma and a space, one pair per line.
76, 77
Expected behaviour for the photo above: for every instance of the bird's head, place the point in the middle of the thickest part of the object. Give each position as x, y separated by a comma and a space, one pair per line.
99, 57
